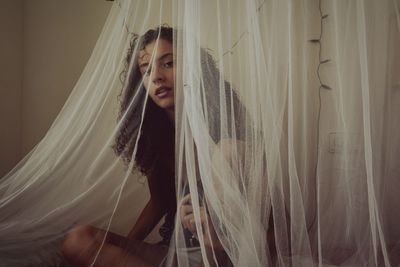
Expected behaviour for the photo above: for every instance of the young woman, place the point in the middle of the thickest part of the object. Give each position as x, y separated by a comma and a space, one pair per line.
154, 73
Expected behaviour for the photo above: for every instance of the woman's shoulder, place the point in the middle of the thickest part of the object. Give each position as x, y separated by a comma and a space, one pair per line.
228, 146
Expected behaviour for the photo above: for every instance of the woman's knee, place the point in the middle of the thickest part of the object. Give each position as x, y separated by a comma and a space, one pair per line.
79, 243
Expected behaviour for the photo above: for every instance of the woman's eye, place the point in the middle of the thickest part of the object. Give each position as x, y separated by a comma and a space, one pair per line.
168, 64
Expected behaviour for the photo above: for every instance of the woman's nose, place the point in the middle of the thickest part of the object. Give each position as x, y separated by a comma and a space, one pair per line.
158, 75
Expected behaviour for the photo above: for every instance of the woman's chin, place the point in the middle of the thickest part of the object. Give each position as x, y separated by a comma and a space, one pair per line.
166, 103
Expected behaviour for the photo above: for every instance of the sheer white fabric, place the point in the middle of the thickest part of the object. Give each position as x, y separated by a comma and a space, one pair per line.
286, 134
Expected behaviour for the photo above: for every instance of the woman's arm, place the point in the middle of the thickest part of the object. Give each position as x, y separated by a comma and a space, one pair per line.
148, 219
152, 213
228, 153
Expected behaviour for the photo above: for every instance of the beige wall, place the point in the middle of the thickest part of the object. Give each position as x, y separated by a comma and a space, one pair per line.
48, 43
11, 31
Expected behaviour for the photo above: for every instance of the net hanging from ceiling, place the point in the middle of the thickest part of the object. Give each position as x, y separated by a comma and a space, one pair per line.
220, 133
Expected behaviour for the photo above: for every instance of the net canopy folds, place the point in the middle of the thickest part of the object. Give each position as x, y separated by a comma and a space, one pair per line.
286, 137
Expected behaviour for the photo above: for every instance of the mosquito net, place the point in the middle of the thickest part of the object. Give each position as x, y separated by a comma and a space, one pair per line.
240, 133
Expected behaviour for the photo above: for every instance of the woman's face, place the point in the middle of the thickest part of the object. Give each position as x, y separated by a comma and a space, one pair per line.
156, 64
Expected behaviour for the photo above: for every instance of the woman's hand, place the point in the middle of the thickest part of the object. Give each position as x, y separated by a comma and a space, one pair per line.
188, 221
187, 215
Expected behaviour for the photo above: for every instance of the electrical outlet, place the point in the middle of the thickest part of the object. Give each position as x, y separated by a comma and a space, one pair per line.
340, 142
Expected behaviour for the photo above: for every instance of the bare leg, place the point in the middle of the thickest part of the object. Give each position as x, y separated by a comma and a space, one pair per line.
82, 246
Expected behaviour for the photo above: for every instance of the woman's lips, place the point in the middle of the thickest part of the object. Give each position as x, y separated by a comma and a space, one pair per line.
162, 91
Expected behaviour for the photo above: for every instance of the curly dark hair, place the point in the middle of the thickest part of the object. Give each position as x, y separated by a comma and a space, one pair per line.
157, 133
156, 139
